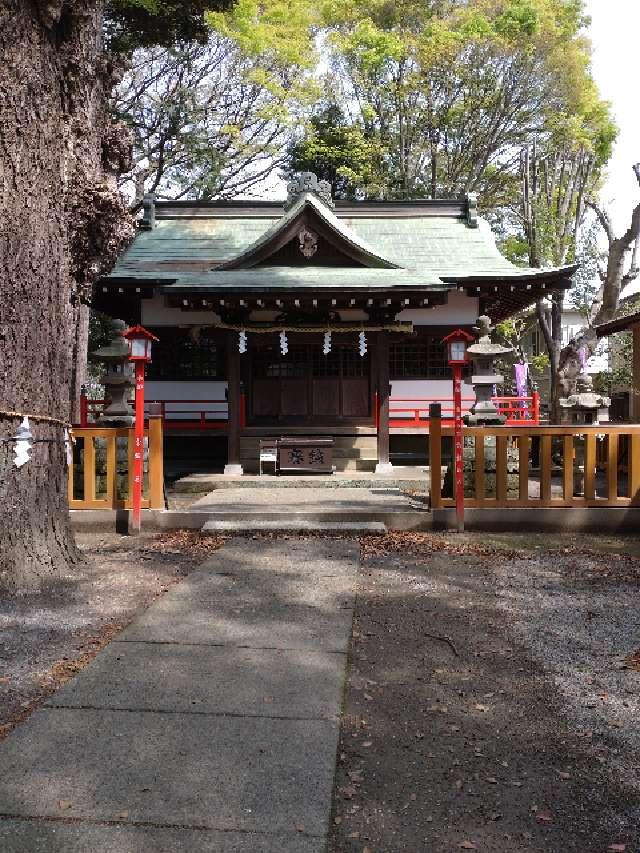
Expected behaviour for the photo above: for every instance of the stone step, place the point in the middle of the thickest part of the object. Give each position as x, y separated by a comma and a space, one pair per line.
369, 528
355, 464
364, 442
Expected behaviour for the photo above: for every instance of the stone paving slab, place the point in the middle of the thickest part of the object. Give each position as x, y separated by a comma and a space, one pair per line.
229, 773
209, 679
297, 525
248, 595
308, 499
39, 836
257, 639
268, 625
324, 558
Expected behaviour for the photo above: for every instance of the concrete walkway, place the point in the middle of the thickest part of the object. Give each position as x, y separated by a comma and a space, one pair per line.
209, 726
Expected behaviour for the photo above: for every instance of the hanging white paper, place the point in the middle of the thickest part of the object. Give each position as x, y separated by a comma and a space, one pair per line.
242, 341
362, 340
22, 448
284, 344
326, 344
68, 446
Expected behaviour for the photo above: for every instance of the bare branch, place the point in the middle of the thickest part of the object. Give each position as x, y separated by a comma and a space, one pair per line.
603, 219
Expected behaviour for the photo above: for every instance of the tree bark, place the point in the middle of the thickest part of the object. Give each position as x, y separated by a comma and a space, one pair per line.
62, 225
606, 303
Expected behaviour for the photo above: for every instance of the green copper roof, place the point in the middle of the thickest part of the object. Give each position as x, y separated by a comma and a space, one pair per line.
426, 242
338, 226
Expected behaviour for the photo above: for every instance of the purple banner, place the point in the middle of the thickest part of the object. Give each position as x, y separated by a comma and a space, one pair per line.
521, 372
584, 358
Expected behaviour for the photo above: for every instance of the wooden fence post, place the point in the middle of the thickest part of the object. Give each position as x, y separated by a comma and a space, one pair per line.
156, 462
435, 454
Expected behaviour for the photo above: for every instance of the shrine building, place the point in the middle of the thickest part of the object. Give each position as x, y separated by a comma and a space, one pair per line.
312, 317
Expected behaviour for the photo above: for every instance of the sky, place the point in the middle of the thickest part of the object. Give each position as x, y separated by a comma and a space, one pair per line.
614, 33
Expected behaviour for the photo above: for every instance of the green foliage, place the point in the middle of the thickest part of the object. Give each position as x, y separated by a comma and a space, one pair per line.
338, 152
446, 92
145, 23
539, 363
589, 256
208, 121
281, 29
620, 373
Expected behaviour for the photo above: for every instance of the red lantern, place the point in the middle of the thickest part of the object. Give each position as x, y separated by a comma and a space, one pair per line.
139, 340
457, 356
457, 346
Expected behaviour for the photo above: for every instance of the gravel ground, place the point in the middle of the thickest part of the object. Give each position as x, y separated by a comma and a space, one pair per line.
45, 638
583, 625
485, 704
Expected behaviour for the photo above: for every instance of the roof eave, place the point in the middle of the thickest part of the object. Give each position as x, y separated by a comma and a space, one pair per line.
561, 275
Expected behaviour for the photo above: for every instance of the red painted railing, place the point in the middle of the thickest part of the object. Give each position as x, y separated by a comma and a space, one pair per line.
408, 413
176, 414
404, 412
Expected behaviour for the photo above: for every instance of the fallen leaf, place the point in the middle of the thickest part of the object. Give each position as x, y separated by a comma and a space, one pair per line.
299, 827
64, 804
544, 817
491, 780
616, 848
479, 707
468, 845
123, 815
337, 821
368, 743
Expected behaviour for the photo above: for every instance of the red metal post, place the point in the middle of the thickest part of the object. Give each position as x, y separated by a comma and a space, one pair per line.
458, 453
84, 408
138, 450
536, 407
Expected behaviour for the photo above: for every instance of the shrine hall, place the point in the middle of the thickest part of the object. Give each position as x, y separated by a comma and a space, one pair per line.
311, 317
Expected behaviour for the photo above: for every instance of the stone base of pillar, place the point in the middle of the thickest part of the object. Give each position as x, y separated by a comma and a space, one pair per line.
233, 471
384, 468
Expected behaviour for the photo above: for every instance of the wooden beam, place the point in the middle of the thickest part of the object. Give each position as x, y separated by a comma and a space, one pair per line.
635, 385
383, 383
233, 401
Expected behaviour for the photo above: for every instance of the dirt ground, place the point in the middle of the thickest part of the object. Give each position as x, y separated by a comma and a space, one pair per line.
492, 701
45, 638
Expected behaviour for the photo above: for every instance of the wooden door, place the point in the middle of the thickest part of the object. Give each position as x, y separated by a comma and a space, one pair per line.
305, 386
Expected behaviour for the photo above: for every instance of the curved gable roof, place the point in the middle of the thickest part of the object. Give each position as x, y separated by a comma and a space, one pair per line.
309, 209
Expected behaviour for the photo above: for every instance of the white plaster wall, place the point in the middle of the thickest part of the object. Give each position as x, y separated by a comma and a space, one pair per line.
185, 390
155, 312
404, 393
460, 310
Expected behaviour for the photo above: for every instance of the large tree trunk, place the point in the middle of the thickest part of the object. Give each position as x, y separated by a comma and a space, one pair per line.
550, 321
62, 222
614, 279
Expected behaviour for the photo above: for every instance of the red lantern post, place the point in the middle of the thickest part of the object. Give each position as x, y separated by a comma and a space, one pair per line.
457, 356
140, 354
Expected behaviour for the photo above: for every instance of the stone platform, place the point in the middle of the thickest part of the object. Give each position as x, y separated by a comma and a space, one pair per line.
402, 477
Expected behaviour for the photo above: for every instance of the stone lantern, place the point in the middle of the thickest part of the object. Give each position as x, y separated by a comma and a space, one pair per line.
118, 380
483, 355
484, 413
584, 405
